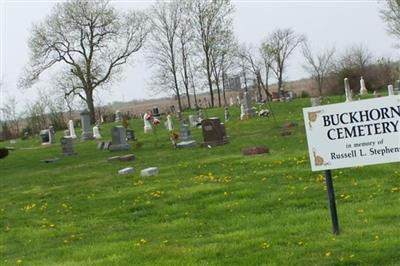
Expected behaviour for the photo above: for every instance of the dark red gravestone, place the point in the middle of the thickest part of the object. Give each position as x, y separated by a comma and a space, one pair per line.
213, 132
255, 150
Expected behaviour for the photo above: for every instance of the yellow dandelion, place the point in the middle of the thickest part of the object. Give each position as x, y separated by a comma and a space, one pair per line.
327, 254
265, 245
19, 261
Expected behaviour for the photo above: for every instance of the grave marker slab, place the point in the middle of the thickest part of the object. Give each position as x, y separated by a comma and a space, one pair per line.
119, 139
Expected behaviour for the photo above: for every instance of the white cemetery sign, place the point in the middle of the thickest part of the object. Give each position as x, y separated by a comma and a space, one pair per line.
353, 133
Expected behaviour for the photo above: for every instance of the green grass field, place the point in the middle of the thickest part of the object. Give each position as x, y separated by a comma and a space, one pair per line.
206, 207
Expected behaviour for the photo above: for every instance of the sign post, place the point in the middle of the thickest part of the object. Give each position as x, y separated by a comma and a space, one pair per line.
332, 201
355, 133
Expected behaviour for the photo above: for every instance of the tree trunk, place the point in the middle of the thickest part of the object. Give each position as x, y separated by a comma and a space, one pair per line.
219, 93
209, 80
179, 101
185, 75
223, 89
245, 80
90, 105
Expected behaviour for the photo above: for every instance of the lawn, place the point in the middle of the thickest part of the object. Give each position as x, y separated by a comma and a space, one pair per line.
208, 206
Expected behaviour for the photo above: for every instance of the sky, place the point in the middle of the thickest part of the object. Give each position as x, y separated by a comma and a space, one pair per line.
325, 23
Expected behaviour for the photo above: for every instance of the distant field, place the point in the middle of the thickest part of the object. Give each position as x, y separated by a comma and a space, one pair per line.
208, 206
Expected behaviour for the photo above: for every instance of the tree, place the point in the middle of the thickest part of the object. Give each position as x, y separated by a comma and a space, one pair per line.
11, 116
391, 15
267, 60
254, 62
318, 65
186, 38
222, 56
208, 18
165, 20
91, 38
281, 44
353, 63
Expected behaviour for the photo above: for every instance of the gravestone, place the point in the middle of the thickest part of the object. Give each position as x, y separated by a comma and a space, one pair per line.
126, 171
226, 114
349, 93
100, 145
119, 143
67, 146
96, 132
47, 136
242, 112
213, 132
107, 145
315, 101
151, 171
168, 124
127, 158
186, 144
231, 103
87, 133
184, 132
194, 120
118, 116
363, 89
255, 150
390, 90
248, 110
147, 125
156, 113
130, 134
71, 129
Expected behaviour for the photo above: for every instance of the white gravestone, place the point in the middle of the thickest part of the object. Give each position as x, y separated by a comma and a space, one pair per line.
231, 101
390, 90
242, 112
151, 171
363, 89
147, 125
96, 132
169, 124
349, 94
194, 120
71, 129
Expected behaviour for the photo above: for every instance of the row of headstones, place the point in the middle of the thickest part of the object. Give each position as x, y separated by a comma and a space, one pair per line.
363, 90
118, 142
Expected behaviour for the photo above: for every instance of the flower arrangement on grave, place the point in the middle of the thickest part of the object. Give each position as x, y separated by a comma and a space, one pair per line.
173, 136
125, 122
